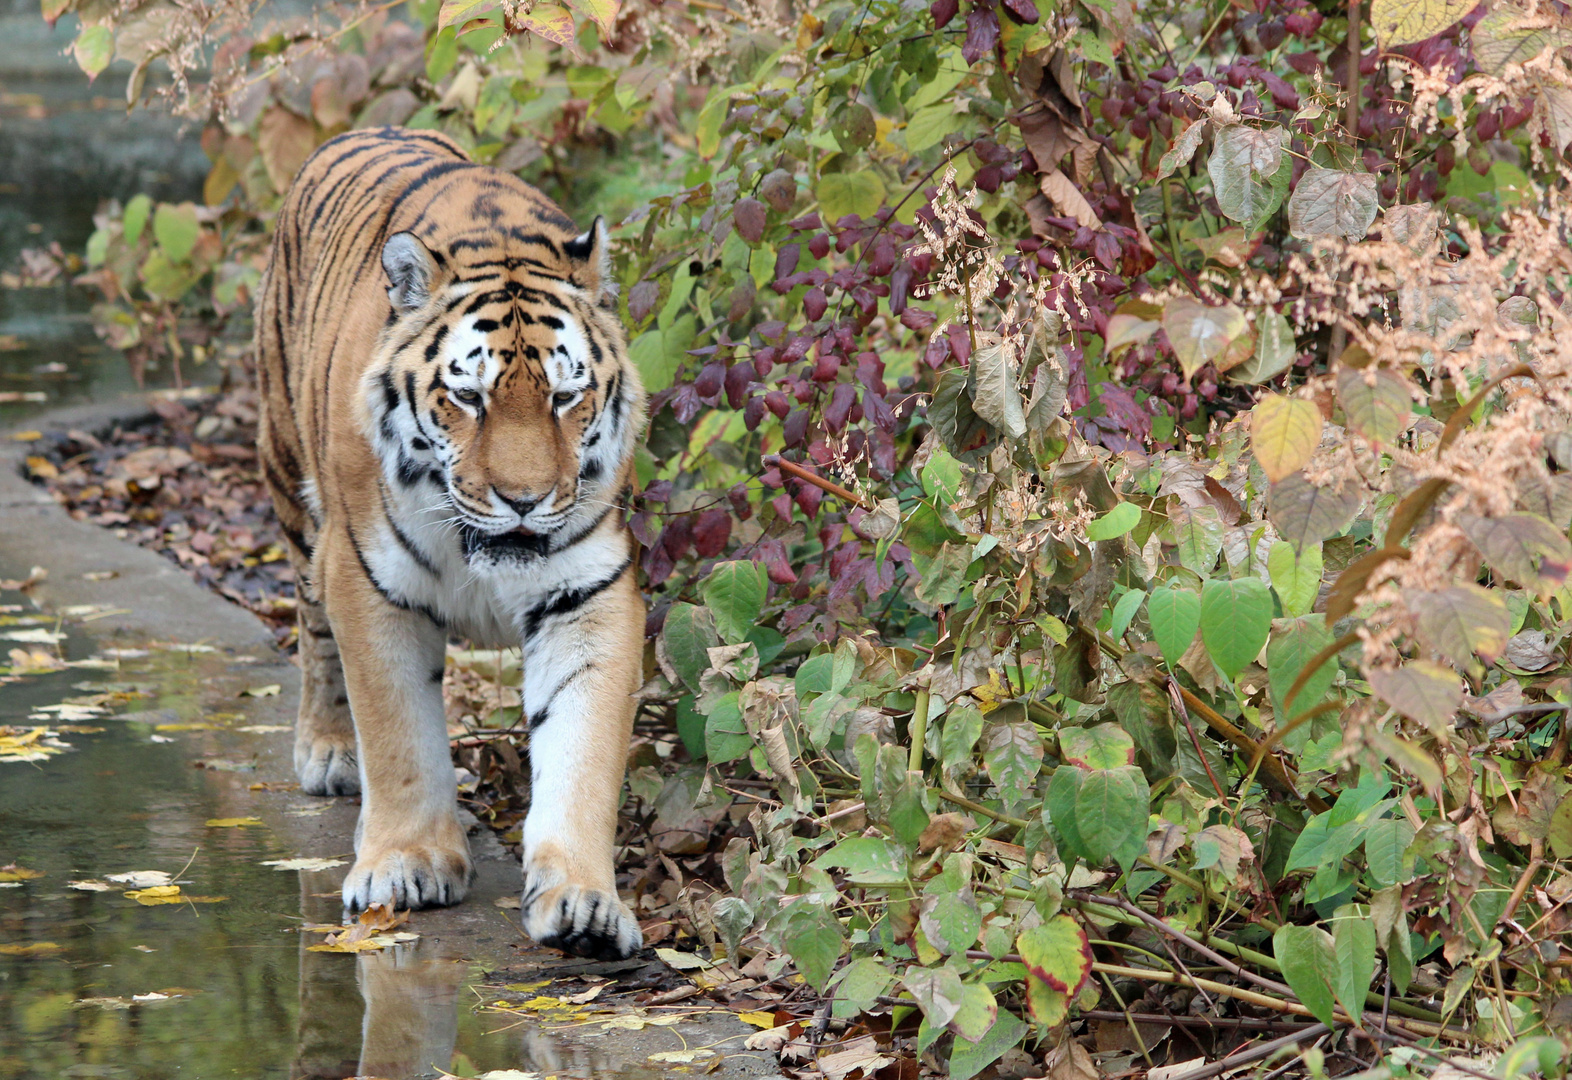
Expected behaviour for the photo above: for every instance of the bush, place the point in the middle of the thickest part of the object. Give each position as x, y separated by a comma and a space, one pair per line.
970, 528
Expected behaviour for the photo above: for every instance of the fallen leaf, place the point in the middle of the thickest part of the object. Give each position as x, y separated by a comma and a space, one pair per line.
686, 1057
270, 690
304, 864
13, 872
155, 894
508, 902
140, 879
37, 948
90, 886
265, 729
758, 1019
683, 961
275, 785
587, 996
232, 822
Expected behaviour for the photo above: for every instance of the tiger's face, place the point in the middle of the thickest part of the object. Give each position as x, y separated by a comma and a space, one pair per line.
502, 395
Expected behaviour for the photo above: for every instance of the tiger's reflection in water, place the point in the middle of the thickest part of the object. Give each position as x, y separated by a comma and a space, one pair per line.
397, 1017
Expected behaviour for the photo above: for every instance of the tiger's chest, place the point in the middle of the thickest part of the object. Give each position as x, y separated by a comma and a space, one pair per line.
486, 589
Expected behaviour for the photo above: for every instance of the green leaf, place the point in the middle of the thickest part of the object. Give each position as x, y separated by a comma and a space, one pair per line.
604, 12
686, 637
1376, 401
963, 725
839, 194
930, 124
1354, 945
977, 1012
995, 396
441, 54
1386, 844
1236, 617
1116, 522
94, 48
970, 1057
1294, 643
867, 860
950, 918
1244, 160
1275, 350
1064, 787
164, 280
941, 477
176, 229
1296, 577
1124, 611
734, 592
1202, 333
1058, 959
1309, 964
858, 987
726, 735
941, 577
707, 130
1111, 814
1103, 746
1013, 754
135, 219
814, 941
1198, 533
1175, 615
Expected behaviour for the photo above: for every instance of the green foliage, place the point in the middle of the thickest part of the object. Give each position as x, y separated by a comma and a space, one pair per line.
964, 534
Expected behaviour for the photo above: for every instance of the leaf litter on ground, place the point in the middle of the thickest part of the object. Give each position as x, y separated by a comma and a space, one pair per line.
377, 928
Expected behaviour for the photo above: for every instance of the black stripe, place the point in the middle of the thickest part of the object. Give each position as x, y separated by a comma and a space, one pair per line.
402, 605
569, 601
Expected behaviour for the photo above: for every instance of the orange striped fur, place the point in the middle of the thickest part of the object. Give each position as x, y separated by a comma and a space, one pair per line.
448, 426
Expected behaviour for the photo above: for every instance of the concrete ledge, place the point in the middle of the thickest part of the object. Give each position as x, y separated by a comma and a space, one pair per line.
161, 601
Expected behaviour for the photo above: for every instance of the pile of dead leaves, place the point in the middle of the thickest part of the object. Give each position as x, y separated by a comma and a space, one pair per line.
184, 482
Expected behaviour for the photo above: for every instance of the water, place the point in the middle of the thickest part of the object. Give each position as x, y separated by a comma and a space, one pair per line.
66, 145
229, 987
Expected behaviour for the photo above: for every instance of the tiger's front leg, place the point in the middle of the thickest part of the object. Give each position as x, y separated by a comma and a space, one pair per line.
410, 849
583, 661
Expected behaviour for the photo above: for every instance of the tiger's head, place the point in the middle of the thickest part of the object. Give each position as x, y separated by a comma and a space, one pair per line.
501, 399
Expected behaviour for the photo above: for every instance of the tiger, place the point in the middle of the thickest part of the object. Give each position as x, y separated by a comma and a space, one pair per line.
448, 426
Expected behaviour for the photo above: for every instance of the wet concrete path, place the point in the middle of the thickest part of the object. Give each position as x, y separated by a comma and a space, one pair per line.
98, 984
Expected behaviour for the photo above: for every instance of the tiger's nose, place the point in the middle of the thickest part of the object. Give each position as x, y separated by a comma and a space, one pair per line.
521, 507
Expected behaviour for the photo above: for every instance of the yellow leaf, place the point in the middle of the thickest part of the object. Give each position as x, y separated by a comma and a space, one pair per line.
27, 436
14, 872
271, 690
1284, 433
457, 12
232, 822
549, 21
758, 1019
37, 948
157, 894
604, 12
1405, 22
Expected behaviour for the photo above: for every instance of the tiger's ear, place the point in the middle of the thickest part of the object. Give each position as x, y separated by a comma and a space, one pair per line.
591, 252
410, 269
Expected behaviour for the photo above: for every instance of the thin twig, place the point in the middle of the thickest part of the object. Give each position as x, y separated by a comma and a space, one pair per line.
1255, 1053
807, 476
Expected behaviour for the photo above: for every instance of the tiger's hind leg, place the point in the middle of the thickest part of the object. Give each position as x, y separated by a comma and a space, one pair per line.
325, 757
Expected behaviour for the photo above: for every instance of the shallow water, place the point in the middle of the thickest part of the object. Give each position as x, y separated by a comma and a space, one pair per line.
233, 970
66, 145
227, 987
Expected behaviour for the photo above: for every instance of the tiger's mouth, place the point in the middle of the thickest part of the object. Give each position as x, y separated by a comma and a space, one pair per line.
515, 545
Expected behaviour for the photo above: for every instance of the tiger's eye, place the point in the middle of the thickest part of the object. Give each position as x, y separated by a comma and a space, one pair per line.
466, 395
562, 399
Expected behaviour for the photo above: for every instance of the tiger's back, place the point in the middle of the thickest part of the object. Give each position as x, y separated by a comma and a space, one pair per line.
447, 430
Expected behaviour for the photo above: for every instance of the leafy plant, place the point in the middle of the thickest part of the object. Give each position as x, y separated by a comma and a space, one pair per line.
1057, 643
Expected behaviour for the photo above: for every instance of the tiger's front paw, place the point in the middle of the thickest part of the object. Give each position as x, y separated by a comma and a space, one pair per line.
412, 875
582, 921
326, 765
